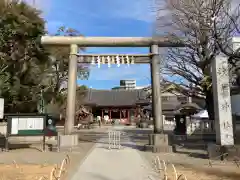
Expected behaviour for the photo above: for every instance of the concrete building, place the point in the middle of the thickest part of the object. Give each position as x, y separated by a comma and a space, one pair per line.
128, 84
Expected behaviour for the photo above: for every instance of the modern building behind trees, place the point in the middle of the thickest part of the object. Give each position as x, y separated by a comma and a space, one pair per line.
127, 84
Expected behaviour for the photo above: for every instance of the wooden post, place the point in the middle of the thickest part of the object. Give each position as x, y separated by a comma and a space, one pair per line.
135, 114
120, 115
102, 114
71, 96
128, 116
110, 115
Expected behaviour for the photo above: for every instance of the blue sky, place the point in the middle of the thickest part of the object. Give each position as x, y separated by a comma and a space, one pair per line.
104, 18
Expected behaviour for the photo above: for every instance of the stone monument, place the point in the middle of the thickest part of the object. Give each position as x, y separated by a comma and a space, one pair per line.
222, 108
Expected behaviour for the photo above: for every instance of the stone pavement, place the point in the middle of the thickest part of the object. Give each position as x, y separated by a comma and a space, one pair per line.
114, 164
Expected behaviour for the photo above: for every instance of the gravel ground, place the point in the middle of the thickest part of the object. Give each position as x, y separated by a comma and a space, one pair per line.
31, 157
189, 161
24, 172
26, 154
196, 168
192, 162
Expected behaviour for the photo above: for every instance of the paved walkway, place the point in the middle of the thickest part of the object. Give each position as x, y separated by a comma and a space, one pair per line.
123, 164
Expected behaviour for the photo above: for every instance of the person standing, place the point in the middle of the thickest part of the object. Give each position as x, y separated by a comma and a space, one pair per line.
99, 120
106, 119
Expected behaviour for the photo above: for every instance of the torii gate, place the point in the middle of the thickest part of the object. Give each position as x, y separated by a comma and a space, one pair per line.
158, 141
75, 42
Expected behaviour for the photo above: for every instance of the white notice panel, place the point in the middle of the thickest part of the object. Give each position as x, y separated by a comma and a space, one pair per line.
14, 128
1, 108
39, 123
22, 124
31, 123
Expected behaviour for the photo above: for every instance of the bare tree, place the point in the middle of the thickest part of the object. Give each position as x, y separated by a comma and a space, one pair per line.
193, 20
229, 19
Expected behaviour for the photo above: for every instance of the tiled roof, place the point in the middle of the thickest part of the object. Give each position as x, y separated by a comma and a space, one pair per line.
168, 106
116, 97
188, 106
127, 98
175, 106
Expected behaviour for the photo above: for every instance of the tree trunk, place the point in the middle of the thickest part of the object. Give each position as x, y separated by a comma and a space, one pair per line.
209, 103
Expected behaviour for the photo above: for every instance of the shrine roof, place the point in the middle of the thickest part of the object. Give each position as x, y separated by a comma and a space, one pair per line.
116, 97
166, 106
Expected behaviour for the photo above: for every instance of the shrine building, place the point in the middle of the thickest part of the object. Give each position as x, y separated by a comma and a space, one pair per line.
121, 105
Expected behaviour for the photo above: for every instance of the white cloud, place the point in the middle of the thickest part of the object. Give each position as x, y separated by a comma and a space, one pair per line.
142, 10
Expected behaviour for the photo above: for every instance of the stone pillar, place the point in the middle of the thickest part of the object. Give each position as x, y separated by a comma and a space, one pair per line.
72, 85
156, 90
222, 101
222, 107
158, 142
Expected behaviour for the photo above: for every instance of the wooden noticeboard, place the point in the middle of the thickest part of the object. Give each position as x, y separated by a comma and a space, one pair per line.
26, 125
30, 125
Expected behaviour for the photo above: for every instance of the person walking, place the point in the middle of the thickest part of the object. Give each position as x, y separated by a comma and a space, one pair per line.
99, 120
